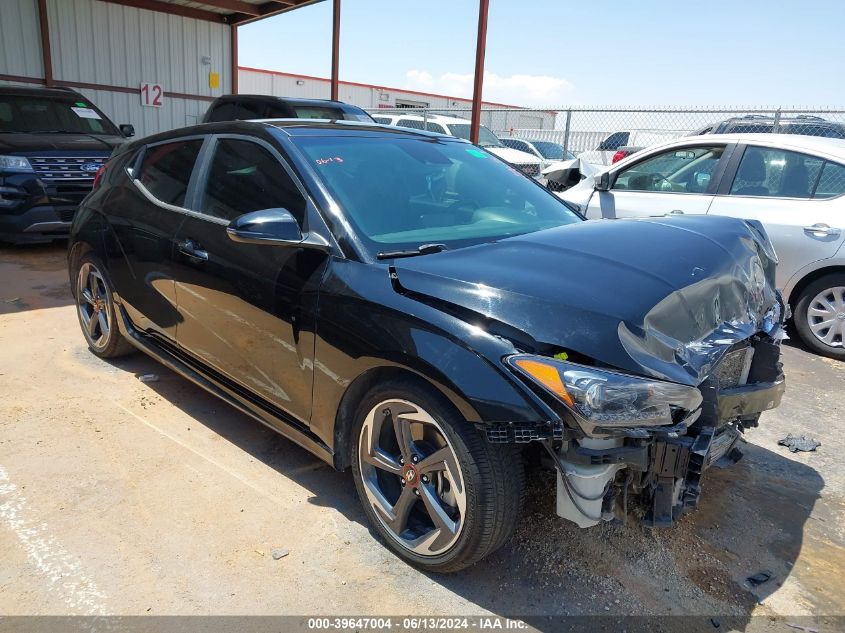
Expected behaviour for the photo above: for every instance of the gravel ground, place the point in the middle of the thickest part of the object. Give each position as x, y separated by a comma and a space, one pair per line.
125, 497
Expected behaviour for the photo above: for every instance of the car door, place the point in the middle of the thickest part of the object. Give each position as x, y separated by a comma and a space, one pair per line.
796, 197
680, 179
247, 311
145, 215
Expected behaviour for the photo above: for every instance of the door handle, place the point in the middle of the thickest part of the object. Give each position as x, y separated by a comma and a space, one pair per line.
192, 250
821, 229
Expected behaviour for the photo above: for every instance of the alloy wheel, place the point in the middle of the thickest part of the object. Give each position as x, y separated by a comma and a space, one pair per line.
411, 477
93, 304
826, 316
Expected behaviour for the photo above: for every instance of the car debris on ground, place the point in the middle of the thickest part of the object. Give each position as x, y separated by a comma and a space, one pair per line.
802, 443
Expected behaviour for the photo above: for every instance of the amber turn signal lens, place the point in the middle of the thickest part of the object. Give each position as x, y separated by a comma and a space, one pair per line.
547, 376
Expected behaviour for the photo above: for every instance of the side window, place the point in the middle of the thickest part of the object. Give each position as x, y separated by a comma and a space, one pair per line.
775, 173
614, 141
435, 127
245, 177
226, 111
412, 123
831, 181
166, 170
680, 170
382, 119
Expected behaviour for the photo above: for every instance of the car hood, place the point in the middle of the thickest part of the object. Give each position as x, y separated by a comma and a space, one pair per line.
514, 156
663, 297
35, 144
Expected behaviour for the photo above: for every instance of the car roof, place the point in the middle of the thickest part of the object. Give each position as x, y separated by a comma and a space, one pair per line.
292, 100
33, 91
833, 147
293, 128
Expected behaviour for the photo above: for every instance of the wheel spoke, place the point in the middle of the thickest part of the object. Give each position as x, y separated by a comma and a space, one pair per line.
814, 311
91, 325
104, 323
401, 510
92, 285
437, 512
402, 428
380, 459
821, 326
86, 294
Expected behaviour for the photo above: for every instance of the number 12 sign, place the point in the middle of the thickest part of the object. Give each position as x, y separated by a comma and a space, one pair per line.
151, 95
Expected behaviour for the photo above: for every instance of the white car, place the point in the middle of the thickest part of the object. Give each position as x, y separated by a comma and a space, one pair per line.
527, 163
792, 184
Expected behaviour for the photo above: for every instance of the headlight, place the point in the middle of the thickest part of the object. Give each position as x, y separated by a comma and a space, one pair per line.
16, 163
608, 398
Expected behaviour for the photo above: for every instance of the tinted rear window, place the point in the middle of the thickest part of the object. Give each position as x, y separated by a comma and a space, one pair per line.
166, 170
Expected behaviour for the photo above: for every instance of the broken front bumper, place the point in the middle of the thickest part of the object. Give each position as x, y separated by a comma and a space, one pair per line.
662, 467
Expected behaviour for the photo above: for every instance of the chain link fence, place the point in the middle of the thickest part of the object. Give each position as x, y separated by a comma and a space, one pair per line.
598, 133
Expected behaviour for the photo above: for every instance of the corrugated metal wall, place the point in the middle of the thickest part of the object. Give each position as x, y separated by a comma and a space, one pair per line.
113, 45
103, 43
20, 39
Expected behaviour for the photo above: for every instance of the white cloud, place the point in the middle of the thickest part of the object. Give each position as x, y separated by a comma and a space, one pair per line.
523, 90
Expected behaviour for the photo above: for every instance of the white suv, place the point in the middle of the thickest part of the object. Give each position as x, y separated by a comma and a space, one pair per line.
527, 163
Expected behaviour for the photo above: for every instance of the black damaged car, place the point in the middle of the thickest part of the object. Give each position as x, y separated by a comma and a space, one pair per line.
408, 306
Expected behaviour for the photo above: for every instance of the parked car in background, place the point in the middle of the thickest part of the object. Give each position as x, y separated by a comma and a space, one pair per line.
546, 151
310, 275
527, 163
53, 141
245, 107
624, 143
793, 185
803, 124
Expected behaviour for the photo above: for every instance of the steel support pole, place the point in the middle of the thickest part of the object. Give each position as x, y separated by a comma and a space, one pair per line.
480, 49
335, 49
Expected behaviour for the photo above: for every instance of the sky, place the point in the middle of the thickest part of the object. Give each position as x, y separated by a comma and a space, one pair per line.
663, 53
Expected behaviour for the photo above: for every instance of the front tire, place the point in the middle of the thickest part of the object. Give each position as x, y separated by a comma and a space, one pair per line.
96, 311
439, 495
819, 316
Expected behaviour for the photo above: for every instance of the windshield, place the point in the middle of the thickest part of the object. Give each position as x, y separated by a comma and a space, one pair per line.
486, 138
401, 193
552, 151
20, 113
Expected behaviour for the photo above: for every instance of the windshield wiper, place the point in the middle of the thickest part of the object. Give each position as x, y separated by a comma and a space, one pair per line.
424, 249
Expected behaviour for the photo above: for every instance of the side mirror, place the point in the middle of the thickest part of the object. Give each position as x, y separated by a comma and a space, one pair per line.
272, 226
602, 181
127, 129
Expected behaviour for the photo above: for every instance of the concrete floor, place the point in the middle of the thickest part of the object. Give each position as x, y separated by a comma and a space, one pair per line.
124, 497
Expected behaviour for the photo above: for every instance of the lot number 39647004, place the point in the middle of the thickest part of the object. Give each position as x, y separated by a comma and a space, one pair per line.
151, 95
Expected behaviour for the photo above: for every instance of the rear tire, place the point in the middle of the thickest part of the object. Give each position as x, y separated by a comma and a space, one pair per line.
442, 497
96, 310
819, 316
